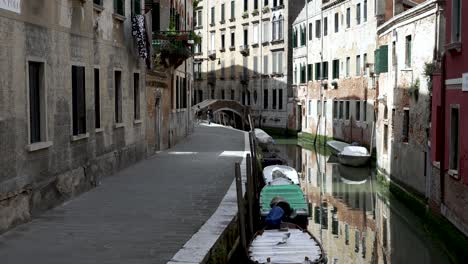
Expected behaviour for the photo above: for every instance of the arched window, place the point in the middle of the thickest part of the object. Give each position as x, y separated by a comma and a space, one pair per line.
280, 27
275, 30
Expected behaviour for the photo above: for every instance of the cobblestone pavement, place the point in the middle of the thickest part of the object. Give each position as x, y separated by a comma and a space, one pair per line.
143, 214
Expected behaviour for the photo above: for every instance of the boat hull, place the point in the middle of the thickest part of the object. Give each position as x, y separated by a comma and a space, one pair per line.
354, 161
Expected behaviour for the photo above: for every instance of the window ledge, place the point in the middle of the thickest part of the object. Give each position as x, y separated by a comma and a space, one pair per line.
454, 174
198, 27
99, 130
119, 125
264, 43
454, 46
278, 41
137, 121
232, 19
38, 146
118, 17
407, 69
98, 8
79, 137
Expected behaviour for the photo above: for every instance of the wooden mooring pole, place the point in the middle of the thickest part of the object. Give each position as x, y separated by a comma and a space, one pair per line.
250, 193
240, 207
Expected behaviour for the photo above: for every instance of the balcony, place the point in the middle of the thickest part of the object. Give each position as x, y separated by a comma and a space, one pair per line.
244, 50
172, 48
212, 54
255, 12
231, 48
222, 22
245, 14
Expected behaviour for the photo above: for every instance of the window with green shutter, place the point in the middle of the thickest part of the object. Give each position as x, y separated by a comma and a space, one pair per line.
119, 7
377, 61
136, 7
309, 72
383, 58
317, 71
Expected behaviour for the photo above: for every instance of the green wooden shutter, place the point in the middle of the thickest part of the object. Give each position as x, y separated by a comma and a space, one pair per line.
383, 58
377, 61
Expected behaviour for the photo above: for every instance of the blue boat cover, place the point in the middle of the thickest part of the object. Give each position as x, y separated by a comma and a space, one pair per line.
274, 217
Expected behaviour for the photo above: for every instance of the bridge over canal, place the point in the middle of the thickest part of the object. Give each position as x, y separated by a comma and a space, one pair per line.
226, 112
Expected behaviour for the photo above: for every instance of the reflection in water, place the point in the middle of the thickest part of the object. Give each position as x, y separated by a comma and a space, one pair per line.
366, 226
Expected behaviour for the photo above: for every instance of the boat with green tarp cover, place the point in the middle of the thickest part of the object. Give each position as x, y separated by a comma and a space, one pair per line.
292, 194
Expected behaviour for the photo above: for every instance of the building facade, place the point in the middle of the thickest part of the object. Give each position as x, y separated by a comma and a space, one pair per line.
170, 75
449, 150
334, 43
407, 44
243, 55
70, 100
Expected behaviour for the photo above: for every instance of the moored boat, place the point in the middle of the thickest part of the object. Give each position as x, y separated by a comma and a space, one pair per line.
263, 137
276, 171
354, 156
290, 194
287, 244
337, 146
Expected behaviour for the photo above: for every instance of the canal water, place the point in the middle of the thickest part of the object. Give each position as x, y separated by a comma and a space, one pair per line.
354, 215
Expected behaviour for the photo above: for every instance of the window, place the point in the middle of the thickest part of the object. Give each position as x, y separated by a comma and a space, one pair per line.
273, 106
266, 32
274, 27
335, 109
347, 110
364, 63
246, 37
156, 17
37, 103
303, 74
277, 61
280, 27
246, 5
223, 41
198, 70
223, 94
98, 2
280, 99
118, 96
233, 9
309, 72
136, 7
405, 133
265, 2
318, 29
78, 100
337, 20
319, 107
97, 99
222, 13
364, 111
265, 64
325, 26
119, 7
336, 69
233, 68
309, 109
212, 15
265, 98
348, 60
317, 71
136, 96
456, 20
255, 4
348, 17
358, 65
233, 94
255, 34
454, 138
310, 31
408, 51
212, 41
358, 110
199, 18
223, 72
325, 70
365, 11
255, 65
358, 14
295, 74
303, 35
233, 39
341, 110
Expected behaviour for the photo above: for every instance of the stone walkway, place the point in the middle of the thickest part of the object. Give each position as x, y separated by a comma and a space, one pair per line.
143, 214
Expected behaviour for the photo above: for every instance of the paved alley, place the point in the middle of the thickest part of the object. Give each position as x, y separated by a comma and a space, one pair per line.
143, 214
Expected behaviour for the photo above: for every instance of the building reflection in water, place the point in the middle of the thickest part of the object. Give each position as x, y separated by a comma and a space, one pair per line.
355, 222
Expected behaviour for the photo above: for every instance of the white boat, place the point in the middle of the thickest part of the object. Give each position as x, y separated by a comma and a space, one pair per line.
288, 244
337, 146
271, 173
354, 156
263, 137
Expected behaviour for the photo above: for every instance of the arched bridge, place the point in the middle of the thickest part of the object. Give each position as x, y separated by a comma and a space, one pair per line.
226, 112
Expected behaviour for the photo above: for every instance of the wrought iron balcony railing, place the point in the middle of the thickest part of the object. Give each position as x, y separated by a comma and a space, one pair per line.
172, 48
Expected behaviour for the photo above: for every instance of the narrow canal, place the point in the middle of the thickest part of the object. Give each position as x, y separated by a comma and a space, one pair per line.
353, 214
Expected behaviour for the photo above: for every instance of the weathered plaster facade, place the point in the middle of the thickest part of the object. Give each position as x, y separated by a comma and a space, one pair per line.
58, 35
403, 90
252, 70
348, 91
